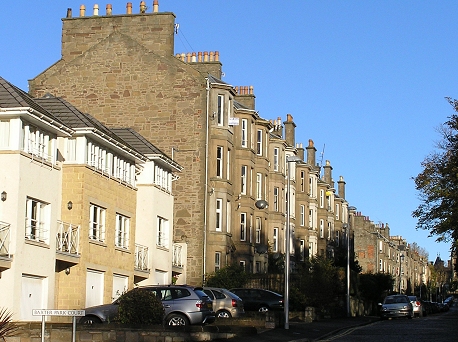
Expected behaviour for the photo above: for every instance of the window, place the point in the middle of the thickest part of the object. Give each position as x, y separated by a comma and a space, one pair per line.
321, 229
228, 164
276, 190
311, 192
380, 244
276, 158
380, 265
220, 110
219, 161
302, 220
275, 241
310, 218
337, 238
219, 214
37, 221
228, 216
329, 230
337, 211
243, 179
97, 223
258, 267
311, 251
242, 226
162, 232
302, 180
321, 198
244, 128
122, 231
258, 186
259, 142
258, 229
217, 261
4, 133
243, 264
302, 250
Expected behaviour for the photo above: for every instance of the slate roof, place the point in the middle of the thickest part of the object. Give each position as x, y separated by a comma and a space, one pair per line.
213, 79
13, 97
238, 105
74, 118
142, 145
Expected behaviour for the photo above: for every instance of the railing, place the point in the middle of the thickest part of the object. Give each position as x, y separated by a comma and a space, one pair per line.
141, 257
67, 238
5, 239
177, 258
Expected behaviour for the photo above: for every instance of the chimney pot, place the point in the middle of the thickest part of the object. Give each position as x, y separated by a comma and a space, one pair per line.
155, 6
251, 90
69, 12
199, 56
109, 9
193, 57
183, 56
82, 11
217, 56
142, 7
212, 54
129, 8
205, 56
96, 9
188, 57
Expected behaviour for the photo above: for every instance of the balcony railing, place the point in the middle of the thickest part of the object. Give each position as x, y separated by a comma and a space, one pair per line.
141, 257
67, 238
177, 257
5, 239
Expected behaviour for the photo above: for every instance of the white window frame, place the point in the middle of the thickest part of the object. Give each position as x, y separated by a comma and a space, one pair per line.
311, 218
217, 261
258, 230
243, 226
228, 164
163, 232
37, 220
219, 215
321, 198
276, 158
259, 142
122, 231
276, 198
244, 133
302, 215
337, 211
243, 179
97, 216
321, 228
258, 186
219, 161
275, 240
220, 110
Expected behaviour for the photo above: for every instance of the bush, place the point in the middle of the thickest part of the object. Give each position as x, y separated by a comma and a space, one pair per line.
228, 277
140, 306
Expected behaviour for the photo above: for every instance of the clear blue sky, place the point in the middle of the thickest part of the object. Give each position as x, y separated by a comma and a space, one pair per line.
366, 80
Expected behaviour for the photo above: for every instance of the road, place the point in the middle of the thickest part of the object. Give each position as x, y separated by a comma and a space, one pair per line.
440, 327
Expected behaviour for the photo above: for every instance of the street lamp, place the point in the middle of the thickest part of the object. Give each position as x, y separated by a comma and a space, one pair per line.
289, 159
401, 258
347, 226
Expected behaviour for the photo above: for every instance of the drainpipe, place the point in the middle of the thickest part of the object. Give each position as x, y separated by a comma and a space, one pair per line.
204, 268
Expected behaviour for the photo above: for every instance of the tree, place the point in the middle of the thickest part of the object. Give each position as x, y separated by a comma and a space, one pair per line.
228, 277
438, 185
7, 326
375, 286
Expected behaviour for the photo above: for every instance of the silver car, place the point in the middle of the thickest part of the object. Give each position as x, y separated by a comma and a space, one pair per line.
183, 305
396, 306
225, 303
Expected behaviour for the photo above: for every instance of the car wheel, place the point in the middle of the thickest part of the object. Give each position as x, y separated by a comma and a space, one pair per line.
263, 308
177, 319
223, 314
90, 320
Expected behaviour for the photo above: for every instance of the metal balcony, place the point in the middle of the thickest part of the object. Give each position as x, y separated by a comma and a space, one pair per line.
177, 257
141, 267
67, 245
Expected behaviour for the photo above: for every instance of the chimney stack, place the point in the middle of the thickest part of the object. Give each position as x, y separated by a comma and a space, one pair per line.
290, 128
328, 173
311, 154
341, 187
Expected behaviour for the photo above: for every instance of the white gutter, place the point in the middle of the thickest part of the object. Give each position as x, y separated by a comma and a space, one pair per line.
204, 260
43, 118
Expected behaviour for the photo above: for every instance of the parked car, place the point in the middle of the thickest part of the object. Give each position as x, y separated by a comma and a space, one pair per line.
418, 307
225, 303
396, 306
259, 299
183, 305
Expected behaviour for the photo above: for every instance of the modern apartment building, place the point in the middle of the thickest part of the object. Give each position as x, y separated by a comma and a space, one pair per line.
73, 194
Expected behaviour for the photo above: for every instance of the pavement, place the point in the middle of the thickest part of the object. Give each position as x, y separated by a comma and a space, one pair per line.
308, 332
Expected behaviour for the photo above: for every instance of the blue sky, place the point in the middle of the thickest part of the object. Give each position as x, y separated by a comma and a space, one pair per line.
365, 80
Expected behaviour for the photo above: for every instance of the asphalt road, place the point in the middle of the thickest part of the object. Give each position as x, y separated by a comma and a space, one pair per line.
441, 327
